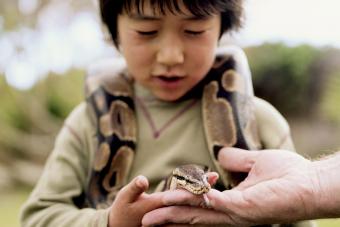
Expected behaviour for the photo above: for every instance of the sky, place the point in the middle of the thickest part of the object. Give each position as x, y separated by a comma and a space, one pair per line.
62, 41
293, 21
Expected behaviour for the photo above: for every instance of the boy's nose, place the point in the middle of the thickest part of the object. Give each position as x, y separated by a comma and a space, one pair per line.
170, 53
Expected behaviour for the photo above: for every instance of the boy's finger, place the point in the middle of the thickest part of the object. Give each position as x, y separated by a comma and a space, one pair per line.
237, 160
133, 190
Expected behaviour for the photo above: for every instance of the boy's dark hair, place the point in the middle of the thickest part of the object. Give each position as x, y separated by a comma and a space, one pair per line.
231, 11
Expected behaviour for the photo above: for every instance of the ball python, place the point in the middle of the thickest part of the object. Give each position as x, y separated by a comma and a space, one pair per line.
227, 112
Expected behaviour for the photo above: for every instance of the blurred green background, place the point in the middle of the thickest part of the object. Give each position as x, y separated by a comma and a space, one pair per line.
302, 82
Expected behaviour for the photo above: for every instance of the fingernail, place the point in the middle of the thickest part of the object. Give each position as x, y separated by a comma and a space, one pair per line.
141, 181
206, 201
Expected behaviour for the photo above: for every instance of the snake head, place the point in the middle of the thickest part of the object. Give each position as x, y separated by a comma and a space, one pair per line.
191, 177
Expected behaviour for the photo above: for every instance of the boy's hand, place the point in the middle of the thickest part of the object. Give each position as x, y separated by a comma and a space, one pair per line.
132, 203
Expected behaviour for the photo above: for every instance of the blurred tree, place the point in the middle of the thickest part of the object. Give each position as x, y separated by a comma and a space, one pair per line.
323, 79
282, 75
25, 13
30, 119
303, 83
29, 124
330, 103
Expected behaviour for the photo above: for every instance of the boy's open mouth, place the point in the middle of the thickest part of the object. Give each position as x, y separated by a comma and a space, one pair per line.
170, 79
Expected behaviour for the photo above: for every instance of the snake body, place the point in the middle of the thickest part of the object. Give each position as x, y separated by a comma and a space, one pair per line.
228, 120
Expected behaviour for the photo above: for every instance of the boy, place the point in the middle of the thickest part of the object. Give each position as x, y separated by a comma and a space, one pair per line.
169, 48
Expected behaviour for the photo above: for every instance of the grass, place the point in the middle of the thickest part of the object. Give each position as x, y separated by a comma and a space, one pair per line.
10, 206
12, 201
329, 223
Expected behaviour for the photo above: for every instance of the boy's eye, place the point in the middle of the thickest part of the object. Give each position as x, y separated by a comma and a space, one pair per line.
147, 33
191, 32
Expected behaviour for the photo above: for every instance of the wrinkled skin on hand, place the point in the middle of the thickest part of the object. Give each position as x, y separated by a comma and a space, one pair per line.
280, 188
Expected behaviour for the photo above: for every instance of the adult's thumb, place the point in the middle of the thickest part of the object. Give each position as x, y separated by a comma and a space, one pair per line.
237, 160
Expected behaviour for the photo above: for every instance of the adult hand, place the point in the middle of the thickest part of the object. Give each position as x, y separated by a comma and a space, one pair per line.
132, 203
281, 187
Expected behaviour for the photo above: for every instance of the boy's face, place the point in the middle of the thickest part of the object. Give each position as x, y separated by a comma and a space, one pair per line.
168, 54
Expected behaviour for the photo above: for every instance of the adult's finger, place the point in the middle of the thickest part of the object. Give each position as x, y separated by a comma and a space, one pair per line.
225, 201
182, 197
133, 190
217, 200
237, 160
190, 225
184, 215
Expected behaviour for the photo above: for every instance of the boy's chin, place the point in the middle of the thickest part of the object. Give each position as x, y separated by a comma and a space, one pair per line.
169, 97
